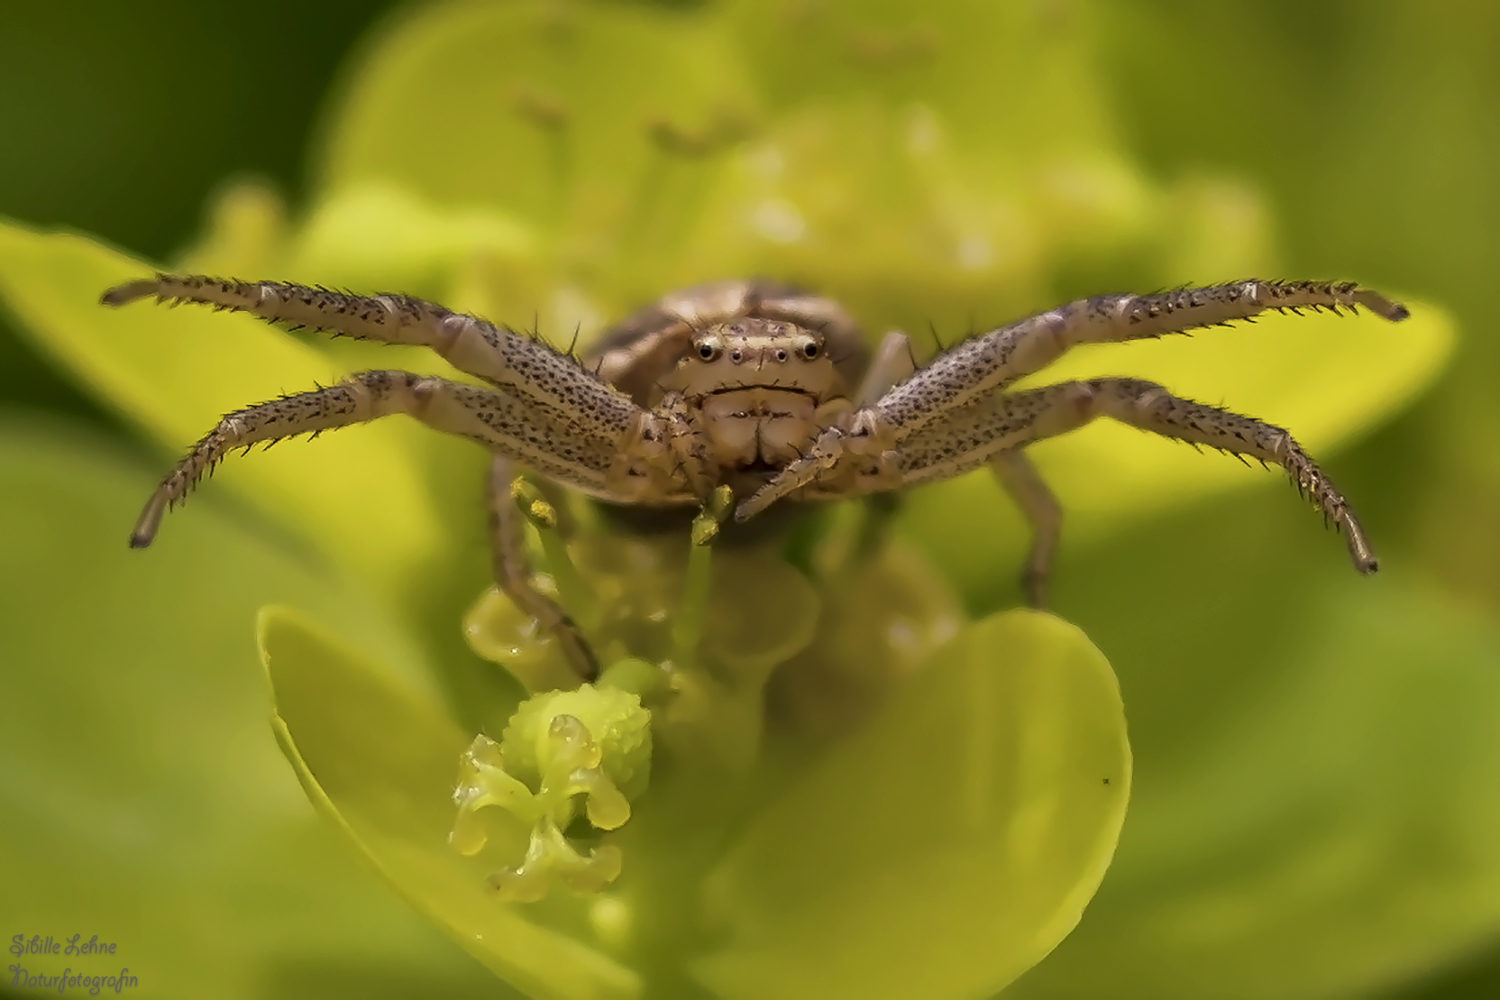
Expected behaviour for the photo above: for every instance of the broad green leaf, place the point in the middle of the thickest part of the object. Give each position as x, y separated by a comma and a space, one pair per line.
380, 764
143, 799
1323, 377
357, 493
948, 845
1339, 838
1312, 752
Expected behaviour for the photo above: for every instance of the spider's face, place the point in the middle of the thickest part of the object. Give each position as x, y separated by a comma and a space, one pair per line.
755, 354
755, 385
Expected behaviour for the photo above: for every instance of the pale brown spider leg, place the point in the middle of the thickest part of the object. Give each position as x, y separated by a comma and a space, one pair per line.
522, 430
974, 369
1038, 503
893, 361
520, 365
512, 572
1014, 421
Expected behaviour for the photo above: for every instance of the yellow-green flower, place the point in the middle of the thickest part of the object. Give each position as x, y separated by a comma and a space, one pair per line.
932, 794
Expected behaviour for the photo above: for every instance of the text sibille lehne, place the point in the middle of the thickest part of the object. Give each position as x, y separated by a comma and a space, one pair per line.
20, 944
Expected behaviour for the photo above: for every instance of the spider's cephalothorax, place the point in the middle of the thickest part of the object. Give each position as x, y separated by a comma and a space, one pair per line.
757, 386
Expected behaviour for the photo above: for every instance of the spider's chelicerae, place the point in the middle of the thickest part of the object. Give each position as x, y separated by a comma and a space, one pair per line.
757, 386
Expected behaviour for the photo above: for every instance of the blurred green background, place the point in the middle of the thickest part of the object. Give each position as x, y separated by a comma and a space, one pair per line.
1371, 129
120, 120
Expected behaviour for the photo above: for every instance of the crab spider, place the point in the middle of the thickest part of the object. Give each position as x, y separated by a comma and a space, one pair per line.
757, 386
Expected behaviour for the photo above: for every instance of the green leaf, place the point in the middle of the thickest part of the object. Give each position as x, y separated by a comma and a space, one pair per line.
380, 764
948, 845
175, 372
1338, 837
143, 799
1325, 378
1312, 752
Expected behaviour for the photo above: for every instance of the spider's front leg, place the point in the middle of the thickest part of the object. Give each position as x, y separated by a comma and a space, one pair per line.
546, 410
521, 366
976, 369
949, 417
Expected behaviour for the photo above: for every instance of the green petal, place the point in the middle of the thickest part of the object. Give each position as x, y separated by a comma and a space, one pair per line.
950, 844
1017, 81
934, 166
553, 112
175, 372
142, 798
380, 765
580, 148
1325, 378
837, 197
1337, 836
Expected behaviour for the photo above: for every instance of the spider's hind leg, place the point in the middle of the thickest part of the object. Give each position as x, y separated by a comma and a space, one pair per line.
1019, 477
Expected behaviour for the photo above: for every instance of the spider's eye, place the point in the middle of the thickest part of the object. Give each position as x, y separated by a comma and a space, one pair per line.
810, 349
708, 350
